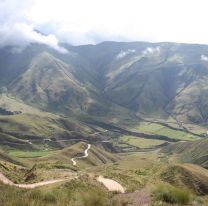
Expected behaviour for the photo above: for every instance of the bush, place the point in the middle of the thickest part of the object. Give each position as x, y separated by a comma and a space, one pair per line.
170, 194
93, 199
35, 195
50, 197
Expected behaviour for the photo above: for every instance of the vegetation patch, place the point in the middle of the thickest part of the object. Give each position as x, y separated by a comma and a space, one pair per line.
190, 152
171, 194
28, 154
141, 142
163, 130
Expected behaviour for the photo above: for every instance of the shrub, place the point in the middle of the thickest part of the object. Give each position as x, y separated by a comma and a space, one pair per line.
171, 194
50, 197
93, 199
35, 195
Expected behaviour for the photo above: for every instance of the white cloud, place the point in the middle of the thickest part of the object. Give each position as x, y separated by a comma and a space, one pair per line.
124, 53
16, 30
92, 21
151, 50
204, 58
21, 34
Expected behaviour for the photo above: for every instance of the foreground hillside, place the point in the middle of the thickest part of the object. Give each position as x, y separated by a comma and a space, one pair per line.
146, 178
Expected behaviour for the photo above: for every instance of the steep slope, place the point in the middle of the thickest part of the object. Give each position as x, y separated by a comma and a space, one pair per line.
195, 152
154, 79
49, 83
40, 132
162, 77
191, 103
26, 127
188, 175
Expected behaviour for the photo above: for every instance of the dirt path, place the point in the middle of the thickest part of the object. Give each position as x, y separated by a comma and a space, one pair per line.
6, 181
111, 185
84, 156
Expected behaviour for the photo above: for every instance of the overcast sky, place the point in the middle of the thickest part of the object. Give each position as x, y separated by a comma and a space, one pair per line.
92, 21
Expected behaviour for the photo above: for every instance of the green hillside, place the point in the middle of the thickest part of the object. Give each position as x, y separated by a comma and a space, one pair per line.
155, 79
193, 151
63, 157
187, 175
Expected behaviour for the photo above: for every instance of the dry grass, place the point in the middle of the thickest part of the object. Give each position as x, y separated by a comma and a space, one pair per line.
173, 195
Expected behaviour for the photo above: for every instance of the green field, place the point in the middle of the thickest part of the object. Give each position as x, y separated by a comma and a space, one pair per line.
140, 142
28, 154
162, 130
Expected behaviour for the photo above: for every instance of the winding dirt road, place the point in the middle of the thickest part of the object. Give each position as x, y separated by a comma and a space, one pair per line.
6, 181
110, 184
84, 156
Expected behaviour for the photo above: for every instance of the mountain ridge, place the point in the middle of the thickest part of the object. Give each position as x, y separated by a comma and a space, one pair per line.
142, 77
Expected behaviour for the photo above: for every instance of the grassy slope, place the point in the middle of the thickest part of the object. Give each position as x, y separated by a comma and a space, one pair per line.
134, 171
146, 82
192, 151
45, 81
83, 191
54, 84
16, 130
172, 79
35, 125
63, 157
187, 175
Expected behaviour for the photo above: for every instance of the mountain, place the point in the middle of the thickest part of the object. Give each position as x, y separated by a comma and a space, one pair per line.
165, 79
119, 85
49, 82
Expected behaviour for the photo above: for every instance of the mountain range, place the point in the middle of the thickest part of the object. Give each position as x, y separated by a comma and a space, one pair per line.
148, 79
